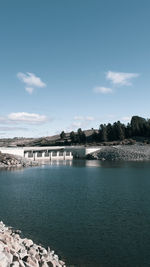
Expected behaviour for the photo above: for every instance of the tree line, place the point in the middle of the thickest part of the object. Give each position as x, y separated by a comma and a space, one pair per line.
138, 127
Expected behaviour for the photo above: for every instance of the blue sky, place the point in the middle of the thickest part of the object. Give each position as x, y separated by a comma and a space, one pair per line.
66, 64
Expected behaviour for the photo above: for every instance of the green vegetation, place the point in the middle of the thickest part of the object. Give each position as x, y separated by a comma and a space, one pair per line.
108, 134
62, 135
138, 127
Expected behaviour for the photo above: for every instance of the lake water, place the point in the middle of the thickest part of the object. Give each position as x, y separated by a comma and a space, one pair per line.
93, 214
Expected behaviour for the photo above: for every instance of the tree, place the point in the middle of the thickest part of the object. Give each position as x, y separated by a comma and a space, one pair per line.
81, 136
119, 130
94, 136
110, 132
103, 133
73, 137
137, 125
128, 131
62, 135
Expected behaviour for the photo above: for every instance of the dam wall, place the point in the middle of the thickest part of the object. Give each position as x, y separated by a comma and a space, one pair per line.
50, 152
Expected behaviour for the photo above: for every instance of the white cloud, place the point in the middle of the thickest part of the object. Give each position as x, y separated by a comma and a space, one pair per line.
80, 122
90, 118
29, 90
2, 119
126, 118
102, 90
77, 124
9, 129
25, 117
78, 118
121, 78
31, 81
82, 118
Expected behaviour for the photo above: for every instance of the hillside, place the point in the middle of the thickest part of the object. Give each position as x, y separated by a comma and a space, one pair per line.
42, 141
138, 130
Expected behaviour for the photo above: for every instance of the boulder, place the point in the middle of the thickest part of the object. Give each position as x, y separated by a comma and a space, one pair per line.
18, 252
32, 262
15, 264
28, 242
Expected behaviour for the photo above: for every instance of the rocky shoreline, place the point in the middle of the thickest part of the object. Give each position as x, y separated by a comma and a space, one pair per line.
22, 252
8, 160
123, 153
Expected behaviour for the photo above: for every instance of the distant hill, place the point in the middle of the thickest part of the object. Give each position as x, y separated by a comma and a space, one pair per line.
42, 141
138, 130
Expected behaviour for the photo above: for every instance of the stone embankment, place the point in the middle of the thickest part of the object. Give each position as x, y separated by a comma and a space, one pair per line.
8, 160
22, 252
123, 153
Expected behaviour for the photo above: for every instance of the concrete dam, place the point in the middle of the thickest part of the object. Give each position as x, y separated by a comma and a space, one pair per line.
50, 152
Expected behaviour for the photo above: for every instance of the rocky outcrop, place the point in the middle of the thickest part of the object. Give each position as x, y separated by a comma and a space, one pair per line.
8, 160
123, 152
22, 252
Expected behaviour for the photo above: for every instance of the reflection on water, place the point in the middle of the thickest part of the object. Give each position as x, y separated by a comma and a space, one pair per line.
12, 169
93, 163
74, 163
82, 163
55, 162
60, 163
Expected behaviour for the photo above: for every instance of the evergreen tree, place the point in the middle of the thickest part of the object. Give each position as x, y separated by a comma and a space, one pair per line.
110, 132
94, 136
73, 137
128, 131
81, 136
120, 131
113, 132
137, 124
103, 133
62, 135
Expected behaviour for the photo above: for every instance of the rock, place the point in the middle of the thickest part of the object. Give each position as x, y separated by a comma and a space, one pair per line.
4, 262
9, 256
15, 257
32, 251
23, 253
18, 252
28, 242
37, 256
15, 264
56, 257
16, 231
44, 264
8, 160
16, 246
25, 258
123, 152
43, 251
1, 247
62, 263
2, 256
50, 264
31, 262
21, 263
